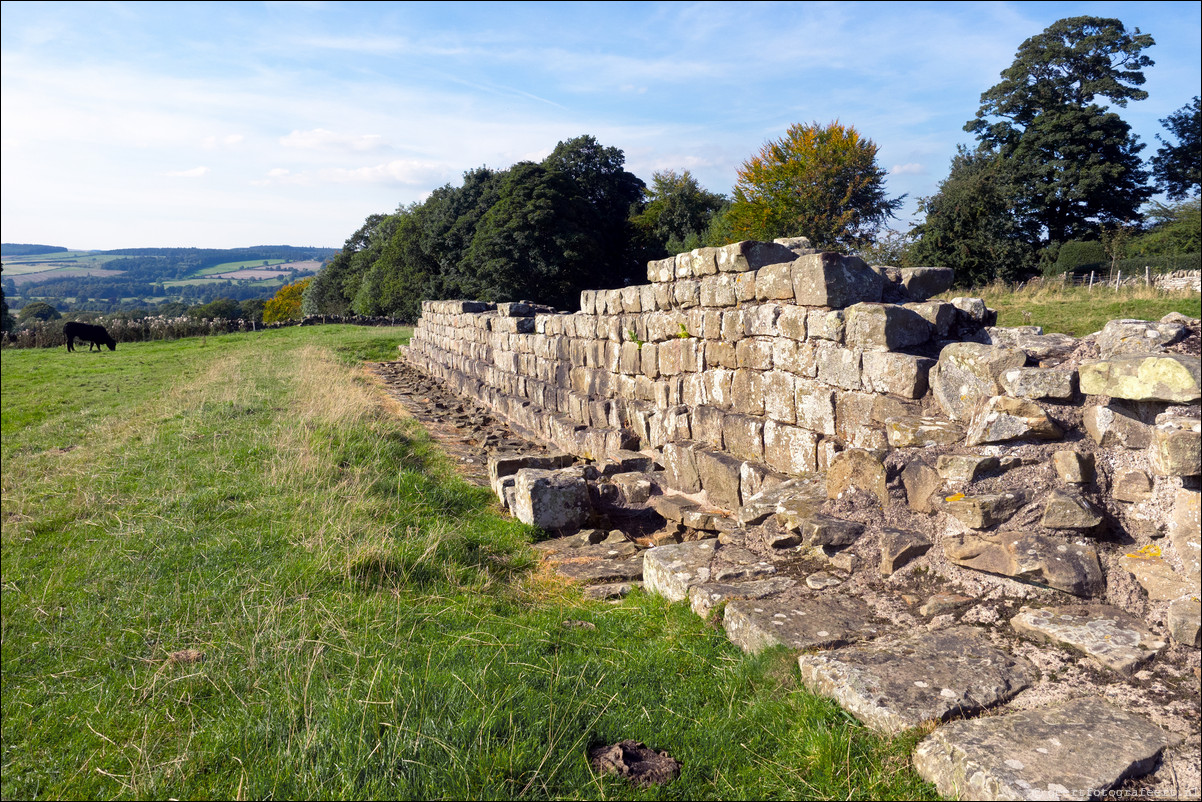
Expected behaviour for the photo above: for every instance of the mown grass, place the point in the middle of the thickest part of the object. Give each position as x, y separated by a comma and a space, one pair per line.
1079, 310
231, 570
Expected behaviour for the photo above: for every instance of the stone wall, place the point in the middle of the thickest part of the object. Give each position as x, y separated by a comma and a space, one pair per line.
734, 364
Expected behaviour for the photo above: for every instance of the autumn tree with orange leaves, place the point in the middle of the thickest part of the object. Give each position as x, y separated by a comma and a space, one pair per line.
818, 181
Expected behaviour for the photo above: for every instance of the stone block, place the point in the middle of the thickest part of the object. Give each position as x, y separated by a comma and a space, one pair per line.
884, 327
1073, 567
838, 367
1184, 531
686, 293
774, 282
704, 261
968, 373
1065, 510
919, 431
814, 623
754, 353
922, 483
759, 320
1108, 635
634, 488
1002, 418
983, 511
1121, 337
718, 387
972, 314
791, 322
790, 449
1115, 426
550, 500
680, 467
921, 283
747, 391
1184, 621
670, 571
815, 406
794, 357
1131, 486
739, 257
1172, 378
1039, 383
1074, 467
720, 477
1177, 447
743, 436
705, 597
940, 314
896, 374
835, 281
1157, 576
707, 426
780, 403
856, 468
721, 354
826, 324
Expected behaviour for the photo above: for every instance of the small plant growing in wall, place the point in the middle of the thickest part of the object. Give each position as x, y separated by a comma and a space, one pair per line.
683, 333
634, 338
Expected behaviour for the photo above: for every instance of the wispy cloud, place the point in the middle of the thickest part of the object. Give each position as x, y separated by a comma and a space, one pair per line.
913, 168
322, 138
195, 172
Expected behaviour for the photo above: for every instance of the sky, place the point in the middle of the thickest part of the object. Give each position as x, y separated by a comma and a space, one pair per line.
225, 125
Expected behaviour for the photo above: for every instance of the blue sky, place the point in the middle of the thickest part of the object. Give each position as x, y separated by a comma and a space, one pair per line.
234, 124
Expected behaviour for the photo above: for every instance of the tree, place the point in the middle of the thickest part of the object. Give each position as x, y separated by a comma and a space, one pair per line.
7, 322
286, 303
220, 309
969, 223
818, 181
676, 213
1178, 168
1074, 166
38, 310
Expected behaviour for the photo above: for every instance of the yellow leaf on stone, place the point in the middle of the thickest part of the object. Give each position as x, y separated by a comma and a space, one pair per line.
954, 497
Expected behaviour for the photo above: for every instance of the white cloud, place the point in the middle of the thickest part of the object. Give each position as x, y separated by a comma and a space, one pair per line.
400, 171
318, 138
195, 172
913, 168
211, 142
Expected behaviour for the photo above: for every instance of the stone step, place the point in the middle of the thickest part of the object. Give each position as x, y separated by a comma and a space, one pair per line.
803, 623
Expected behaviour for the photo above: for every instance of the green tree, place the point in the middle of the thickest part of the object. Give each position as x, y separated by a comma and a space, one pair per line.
1178, 168
676, 213
286, 303
7, 322
252, 309
38, 310
220, 309
818, 181
1175, 230
1074, 165
969, 223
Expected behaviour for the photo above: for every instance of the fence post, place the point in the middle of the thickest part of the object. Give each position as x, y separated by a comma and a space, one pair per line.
1147, 275
1091, 280
1118, 282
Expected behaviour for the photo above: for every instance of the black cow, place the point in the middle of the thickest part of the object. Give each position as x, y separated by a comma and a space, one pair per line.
94, 336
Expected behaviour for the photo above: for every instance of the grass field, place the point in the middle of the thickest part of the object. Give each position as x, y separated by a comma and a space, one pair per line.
227, 267
1078, 310
40, 263
231, 570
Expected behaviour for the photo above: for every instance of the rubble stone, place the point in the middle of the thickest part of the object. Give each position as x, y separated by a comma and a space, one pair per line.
1069, 511
899, 547
671, 570
968, 373
983, 511
1070, 567
550, 500
1177, 447
1111, 425
1172, 378
1108, 635
1074, 467
922, 432
1002, 418
858, 469
819, 623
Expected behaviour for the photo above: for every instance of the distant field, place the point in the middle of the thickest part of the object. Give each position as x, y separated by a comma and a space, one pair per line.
193, 282
60, 272
226, 267
1078, 310
45, 263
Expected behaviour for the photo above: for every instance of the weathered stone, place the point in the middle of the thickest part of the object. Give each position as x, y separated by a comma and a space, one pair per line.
926, 282
743, 436
944, 604
1177, 447
897, 374
720, 478
972, 313
1070, 567
1184, 620
922, 432
556, 545
843, 560
1039, 383
1074, 467
740, 257
736, 564
1032, 340
1126, 336
824, 530
601, 571
799, 245
932, 676
820, 580
921, 483
610, 590
940, 314
899, 547
550, 500
855, 468
1156, 576
985, 510
1131, 486
764, 504
1002, 418
633, 487
839, 367
1108, 635
790, 449
821, 623
1111, 425
671, 570
964, 467
1071, 750
884, 327
680, 467
1184, 531
968, 373
774, 282
776, 537
673, 508
825, 324
1144, 377
834, 281
1066, 510
704, 598
502, 465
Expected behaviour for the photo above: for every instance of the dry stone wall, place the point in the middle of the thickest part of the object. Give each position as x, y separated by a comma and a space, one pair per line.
735, 365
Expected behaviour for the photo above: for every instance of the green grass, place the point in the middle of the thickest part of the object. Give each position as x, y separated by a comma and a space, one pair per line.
1078, 310
228, 267
363, 623
185, 282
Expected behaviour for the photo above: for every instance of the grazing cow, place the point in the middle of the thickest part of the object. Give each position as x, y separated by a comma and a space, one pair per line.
94, 336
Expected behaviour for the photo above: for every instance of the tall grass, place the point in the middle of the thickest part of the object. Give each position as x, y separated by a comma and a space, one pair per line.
230, 571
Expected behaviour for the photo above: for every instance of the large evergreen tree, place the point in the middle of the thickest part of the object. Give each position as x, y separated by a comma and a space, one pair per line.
1178, 168
1075, 165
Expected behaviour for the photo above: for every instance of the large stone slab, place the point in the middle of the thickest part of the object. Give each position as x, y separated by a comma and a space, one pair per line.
932, 676
884, 327
671, 570
1070, 567
820, 623
968, 373
704, 598
1002, 418
1108, 635
916, 431
1144, 377
1157, 576
835, 281
1073, 750
550, 500
1137, 336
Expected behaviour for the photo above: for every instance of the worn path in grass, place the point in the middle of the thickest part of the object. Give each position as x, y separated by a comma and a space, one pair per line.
229, 570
